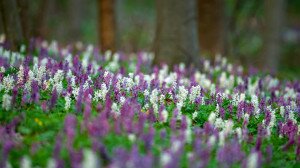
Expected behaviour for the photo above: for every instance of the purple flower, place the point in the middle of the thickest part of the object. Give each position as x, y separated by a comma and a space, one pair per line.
53, 98
229, 154
70, 129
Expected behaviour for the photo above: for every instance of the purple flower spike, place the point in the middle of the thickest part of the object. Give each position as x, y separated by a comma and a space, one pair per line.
53, 98
70, 130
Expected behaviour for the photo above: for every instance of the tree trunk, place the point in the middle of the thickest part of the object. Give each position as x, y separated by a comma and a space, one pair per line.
11, 21
22, 6
107, 22
274, 13
176, 37
211, 26
76, 13
40, 26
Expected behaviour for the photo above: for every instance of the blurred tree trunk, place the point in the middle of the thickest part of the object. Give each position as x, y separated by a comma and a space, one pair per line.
11, 23
22, 6
107, 22
75, 9
40, 26
274, 13
176, 37
211, 17
1, 21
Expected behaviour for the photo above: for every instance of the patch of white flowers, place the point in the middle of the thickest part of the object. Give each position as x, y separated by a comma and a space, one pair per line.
154, 100
20, 75
165, 159
6, 101
101, 94
202, 80
115, 109
255, 103
90, 159
68, 102
25, 162
181, 96
114, 64
57, 81
165, 115
226, 82
8, 83
195, 92
252, 160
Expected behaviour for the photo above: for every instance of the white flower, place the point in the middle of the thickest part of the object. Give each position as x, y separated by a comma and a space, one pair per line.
86, 85
73, 82
212, 140
122, 100
162, 99
59, 76
6, 101
75, 92
51, 163
25, 162
8, 83
171, 79
228, 127
165, 159
282, 111
242, 97
165, 115
291, 117
137, 79
246, 117
162, 75
252, 87
40, 74
69, 74
146, 92
115, 109
212, 118
219, 123
225, 82
252, 160
221, 138
176, 145
29, 81
255, 103
90, 159
2, 69
131, 137
195, 92
154, 99
206, 65
195, 114
235, 99
188, 135
112, 66
239, 134
68, 102
101, 94
217, 111
46, 85
212, 89
128, 83
20, 75
7, 165
146, 106
181, 96
59, 87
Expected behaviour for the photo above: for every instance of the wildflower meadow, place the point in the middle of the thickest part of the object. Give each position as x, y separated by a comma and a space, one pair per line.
70, 106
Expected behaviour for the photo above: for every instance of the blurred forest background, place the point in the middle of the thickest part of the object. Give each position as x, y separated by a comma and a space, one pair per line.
254, 33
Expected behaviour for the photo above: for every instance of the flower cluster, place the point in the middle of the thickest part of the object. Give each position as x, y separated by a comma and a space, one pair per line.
71, 106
